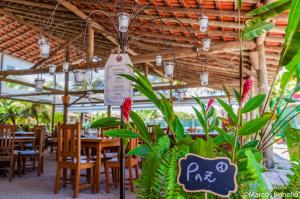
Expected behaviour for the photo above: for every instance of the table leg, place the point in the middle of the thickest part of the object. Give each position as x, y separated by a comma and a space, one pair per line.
98, 166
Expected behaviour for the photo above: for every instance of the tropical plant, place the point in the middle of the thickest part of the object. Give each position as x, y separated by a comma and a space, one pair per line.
260, 23
161, 154
10, 111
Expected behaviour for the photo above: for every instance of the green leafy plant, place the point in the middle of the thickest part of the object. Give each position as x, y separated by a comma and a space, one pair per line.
161, 153
260, 24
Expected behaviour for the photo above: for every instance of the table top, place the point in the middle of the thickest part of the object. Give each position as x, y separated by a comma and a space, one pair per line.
25, 138
23, 133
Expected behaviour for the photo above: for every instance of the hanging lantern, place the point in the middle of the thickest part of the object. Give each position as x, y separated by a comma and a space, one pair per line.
89, 95
66, 66
158, 60
52, 68
203, 22
123, 19
206, 44
79, 77
169, 69
39, 84
44, 45
181, 95
204, 78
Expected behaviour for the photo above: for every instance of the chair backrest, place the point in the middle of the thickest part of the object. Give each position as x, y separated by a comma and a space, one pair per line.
7, 139
106, 129
133, 143
40, 133
68, 142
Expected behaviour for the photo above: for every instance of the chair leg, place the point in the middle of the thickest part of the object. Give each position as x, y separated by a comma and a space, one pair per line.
107, 179
76, 183
11, 169
137, 171
130, 179
57, 180
39, 166
42, 165
65, 172
19, 165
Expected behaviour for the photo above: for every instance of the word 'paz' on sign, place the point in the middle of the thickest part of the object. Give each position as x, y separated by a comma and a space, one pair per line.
213, 175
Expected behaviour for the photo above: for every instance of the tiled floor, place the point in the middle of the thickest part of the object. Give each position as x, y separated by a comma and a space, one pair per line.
30, 186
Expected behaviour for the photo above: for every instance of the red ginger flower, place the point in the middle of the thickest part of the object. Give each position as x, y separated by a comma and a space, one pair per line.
126, 108
210, 102
246, 88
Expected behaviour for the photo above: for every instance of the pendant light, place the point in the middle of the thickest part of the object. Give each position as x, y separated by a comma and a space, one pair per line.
39, 84
123, 19
52, 69
158, 60
204, 78
181, 95
66, 66
169, 69
203, 23
44, 46
206, 43
79, 76
89, 95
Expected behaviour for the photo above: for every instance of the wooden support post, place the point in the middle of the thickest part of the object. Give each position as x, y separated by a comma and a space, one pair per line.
146, 70
52, 120
264, 88
90, 44
171, 92
1, 68
109, 111
66, 97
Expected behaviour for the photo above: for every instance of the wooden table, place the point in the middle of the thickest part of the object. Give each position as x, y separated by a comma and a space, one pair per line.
23, 133
99, 144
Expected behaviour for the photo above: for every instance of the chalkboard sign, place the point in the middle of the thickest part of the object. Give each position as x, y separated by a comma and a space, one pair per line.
214, 175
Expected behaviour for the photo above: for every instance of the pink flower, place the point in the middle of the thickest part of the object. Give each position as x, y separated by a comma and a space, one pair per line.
126, 108
246, 88
210, 102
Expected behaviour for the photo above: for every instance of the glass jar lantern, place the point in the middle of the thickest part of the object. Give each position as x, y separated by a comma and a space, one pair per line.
203, 23
123, 19
89, 95
181, 95
39, 84
52, 69
158, 60
206, 44
204, 78
79, 77
169, 69
44, 46
66, 66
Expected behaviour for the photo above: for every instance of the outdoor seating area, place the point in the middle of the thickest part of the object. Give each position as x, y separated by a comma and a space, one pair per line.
149, 99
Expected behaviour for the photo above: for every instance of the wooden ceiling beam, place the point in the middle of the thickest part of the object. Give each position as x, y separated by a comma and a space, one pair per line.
221, 47
45, 70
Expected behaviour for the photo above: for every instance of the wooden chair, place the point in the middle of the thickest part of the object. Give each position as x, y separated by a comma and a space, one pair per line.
7, 140
52, 140
68, 157
36, 153
114, 164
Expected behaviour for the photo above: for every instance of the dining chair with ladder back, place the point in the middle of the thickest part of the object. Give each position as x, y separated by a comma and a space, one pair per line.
36, 153
69, 158
7, 141
114, 165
